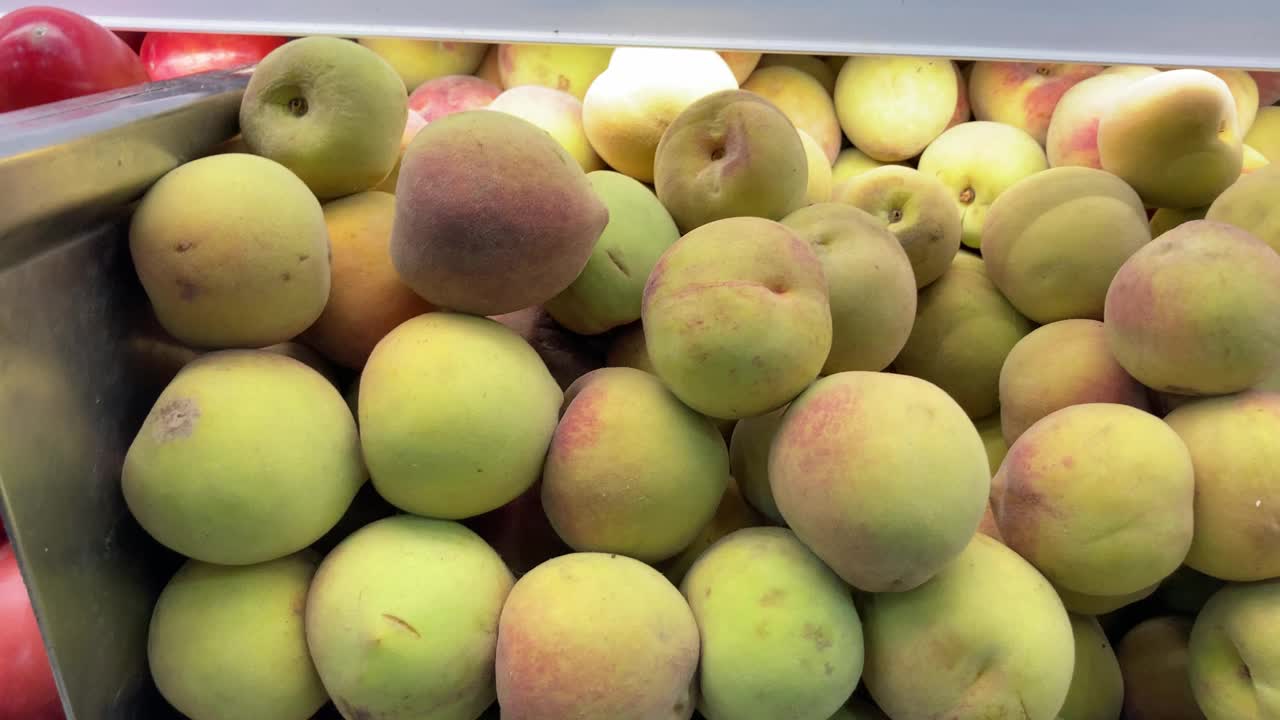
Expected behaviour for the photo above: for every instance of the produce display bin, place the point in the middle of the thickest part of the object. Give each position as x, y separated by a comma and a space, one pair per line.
81, 361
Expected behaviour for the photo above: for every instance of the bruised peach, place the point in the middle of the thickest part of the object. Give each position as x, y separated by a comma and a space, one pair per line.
1058, 365
766, 290
630, 469
854, 458
1194, 311
492, 214
1098, 497
591, 635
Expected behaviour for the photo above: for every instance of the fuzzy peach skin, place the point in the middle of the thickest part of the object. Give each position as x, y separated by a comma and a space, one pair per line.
772, 615
417, 61
1250, 204
1175, 137
1059, 365
367, 299
629, 106
804, 101
1053, 242
741, 63
447, 95
978, 161
591, 635
630, 469
892, 107
1235, 652
871, 286
766, 290
963, 332
492, 214
1021, 94
916, 208
1097, 688
986, 638
1098, 497
1072, 135
567, 68
555, 111
730, 154
401, 620
1193, 312
863, 460
1235, 447
1153, 663
749, 461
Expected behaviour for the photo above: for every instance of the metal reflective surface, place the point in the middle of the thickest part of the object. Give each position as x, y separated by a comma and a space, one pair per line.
80, 364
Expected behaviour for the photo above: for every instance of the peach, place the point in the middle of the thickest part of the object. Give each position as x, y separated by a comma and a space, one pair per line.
413, 123
567, 355
1250, 204
1234, 447
1059, 365
986, 638
628, 349
767, 292
963, 331
1193, 311
1072, 135
592, 635
463, 396
892, 107
450, 94
1166, 219
772, 615
1085, 604
852, 463
1252, 160
741, 63
567, 68
1264, 136
978, 161
818, 189
1053, 242
629, 106
1097, 688
1268, 87
733, 514
1154, 664
1244, 91
964, 109
811, 65
993, 437
730, 154
1175, 137
803, 100
366, 299
850, 163
917, 209
555, 111
871, 286
749, 461
630, 469
1098, 497
607, 293
1023, 94
1235, 652
417, 61
525, 243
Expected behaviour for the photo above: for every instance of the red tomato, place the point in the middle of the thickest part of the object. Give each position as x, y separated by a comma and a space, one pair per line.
27, 689
168, 55
48, 54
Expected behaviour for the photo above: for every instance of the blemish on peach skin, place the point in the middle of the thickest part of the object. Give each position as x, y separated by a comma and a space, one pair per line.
773, 598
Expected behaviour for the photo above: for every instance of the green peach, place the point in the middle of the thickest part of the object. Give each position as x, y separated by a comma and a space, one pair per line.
464, 397
749, 460
1053, 242
1099, 497
1193, 311
1166, 219
732, 515
766, 289
607, 292
1097, 688
993, 437
986, 638
630, 469
1235, 652
1102, 604
780, 633
870, 282
963, 332
852, 463
1249, 204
